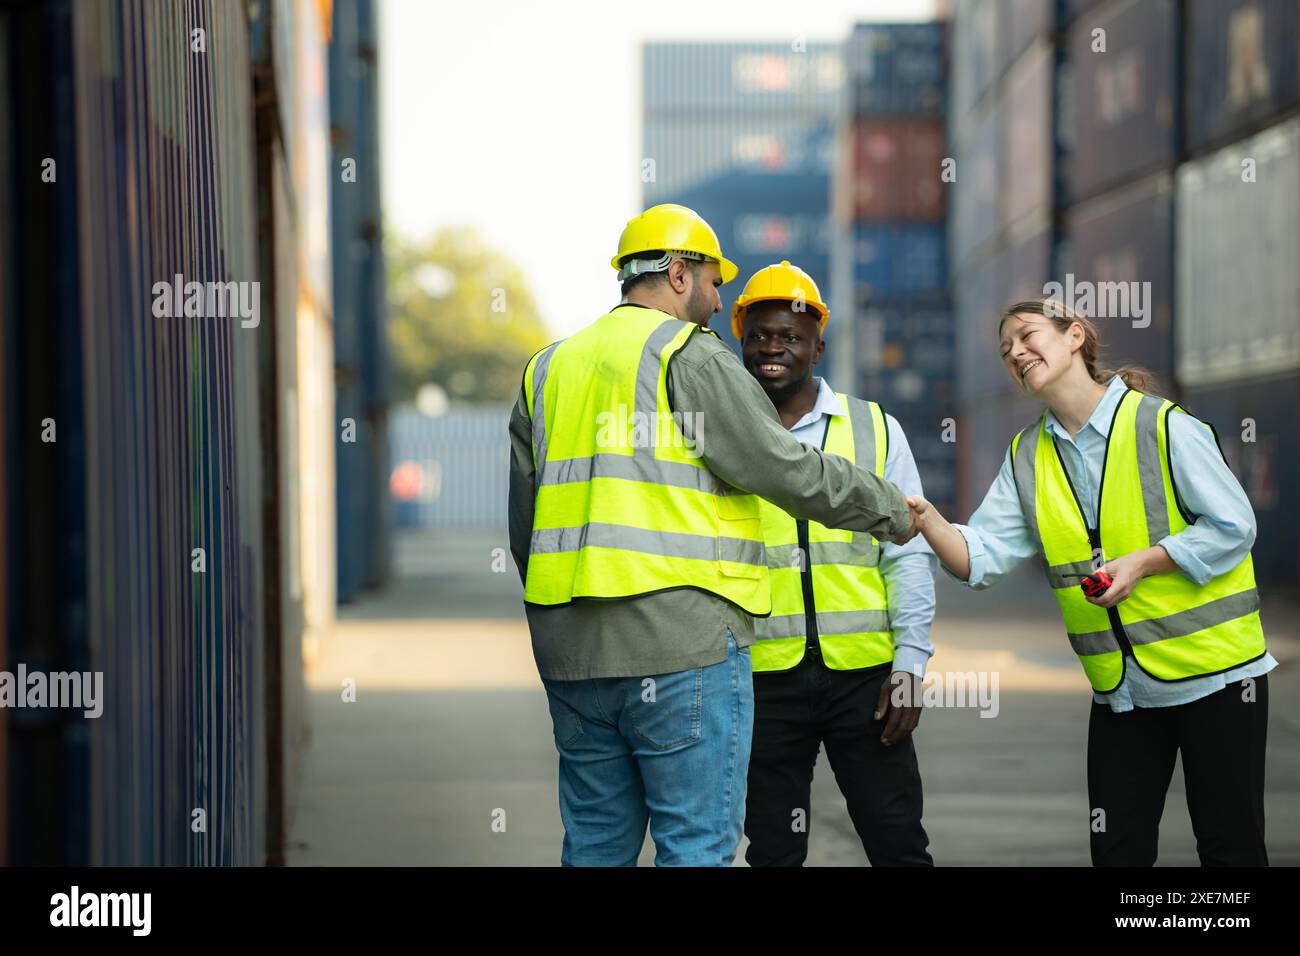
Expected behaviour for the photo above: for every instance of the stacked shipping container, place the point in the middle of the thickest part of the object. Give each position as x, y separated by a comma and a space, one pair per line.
743, 134
893, 327
1003, 241
175, 471
1237, 200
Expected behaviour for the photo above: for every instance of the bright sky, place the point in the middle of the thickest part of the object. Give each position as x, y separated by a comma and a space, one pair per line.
523, 119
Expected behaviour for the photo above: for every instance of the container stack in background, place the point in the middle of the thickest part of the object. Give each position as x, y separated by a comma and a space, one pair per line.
1006, 81
1237, 256
360, 336
743, 134
891, 328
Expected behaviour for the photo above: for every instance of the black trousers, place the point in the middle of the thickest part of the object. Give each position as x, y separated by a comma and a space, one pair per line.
795, 712
1131, 760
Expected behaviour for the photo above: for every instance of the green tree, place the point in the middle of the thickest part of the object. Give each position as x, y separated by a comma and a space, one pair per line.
461, 317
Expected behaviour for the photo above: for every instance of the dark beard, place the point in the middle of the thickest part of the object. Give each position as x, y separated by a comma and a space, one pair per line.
784, 393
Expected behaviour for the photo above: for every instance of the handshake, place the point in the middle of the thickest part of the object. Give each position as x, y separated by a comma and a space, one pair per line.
918, 510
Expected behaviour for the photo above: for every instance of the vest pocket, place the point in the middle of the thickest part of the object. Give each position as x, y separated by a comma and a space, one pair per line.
739, 542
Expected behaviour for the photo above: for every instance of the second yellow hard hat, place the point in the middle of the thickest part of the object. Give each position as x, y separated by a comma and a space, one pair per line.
782, 282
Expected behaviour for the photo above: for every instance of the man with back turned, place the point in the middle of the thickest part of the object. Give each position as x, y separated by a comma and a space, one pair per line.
639, 449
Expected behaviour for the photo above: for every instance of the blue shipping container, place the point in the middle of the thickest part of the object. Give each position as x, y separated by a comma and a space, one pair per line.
892, 262
690, 153
896, 68
1241, 65
1125, 99
723, 78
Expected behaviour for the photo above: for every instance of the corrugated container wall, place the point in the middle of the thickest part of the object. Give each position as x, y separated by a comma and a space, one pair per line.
448, 469
896, 69
358, 300
1242, 66
1257, 422
1124, 97
1238, 245
7, 304
146, 490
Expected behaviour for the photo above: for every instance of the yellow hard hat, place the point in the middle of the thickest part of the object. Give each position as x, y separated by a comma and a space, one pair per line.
782, 282
670, 227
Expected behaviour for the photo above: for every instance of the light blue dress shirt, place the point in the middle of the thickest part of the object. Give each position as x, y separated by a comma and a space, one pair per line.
909, 569
999, 539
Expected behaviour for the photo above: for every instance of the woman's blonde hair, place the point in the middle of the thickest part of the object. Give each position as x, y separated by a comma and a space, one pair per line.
1062, 317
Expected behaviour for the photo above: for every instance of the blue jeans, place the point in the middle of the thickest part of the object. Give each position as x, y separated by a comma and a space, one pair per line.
670, 749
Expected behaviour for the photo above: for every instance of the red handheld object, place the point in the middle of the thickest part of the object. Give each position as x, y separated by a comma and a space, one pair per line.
1096, 584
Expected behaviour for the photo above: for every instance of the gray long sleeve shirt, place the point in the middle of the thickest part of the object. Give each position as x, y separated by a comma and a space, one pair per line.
743, 442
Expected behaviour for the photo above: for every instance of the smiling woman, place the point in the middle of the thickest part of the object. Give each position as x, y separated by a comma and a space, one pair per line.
1115, 479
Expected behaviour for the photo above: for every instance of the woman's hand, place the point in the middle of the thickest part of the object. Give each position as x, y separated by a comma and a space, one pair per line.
920, 510
1124, 573
944, 540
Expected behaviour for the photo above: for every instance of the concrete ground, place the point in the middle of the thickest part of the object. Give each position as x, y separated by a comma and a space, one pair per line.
449, 735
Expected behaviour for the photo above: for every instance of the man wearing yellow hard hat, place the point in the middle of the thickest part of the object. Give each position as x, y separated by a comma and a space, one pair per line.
850, 617
639, 451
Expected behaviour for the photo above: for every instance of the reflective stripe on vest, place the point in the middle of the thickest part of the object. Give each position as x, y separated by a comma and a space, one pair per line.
851, 602
624, 504
1173, 628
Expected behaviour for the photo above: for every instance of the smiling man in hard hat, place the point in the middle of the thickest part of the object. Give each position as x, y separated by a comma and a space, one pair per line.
850, 616
639, 450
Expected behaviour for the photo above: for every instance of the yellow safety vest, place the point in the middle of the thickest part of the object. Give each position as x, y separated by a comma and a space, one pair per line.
1170, 626
838, 572
624, 503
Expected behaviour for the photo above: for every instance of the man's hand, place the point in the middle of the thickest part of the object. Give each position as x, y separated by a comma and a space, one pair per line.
913, 527
900, 701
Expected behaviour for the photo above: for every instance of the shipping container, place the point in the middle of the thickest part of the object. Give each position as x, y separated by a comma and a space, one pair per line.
450, 471
896, 69
974, 201
978, 297
721, 79
1237, 249
1124, 99
1257, 422
680, 154
974, 52
1021, 24
1241, 66
984, 432
1077, 8
173, 544
1117, 268
360, 337
1027, 136
894, 168
931, 435
896, 261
